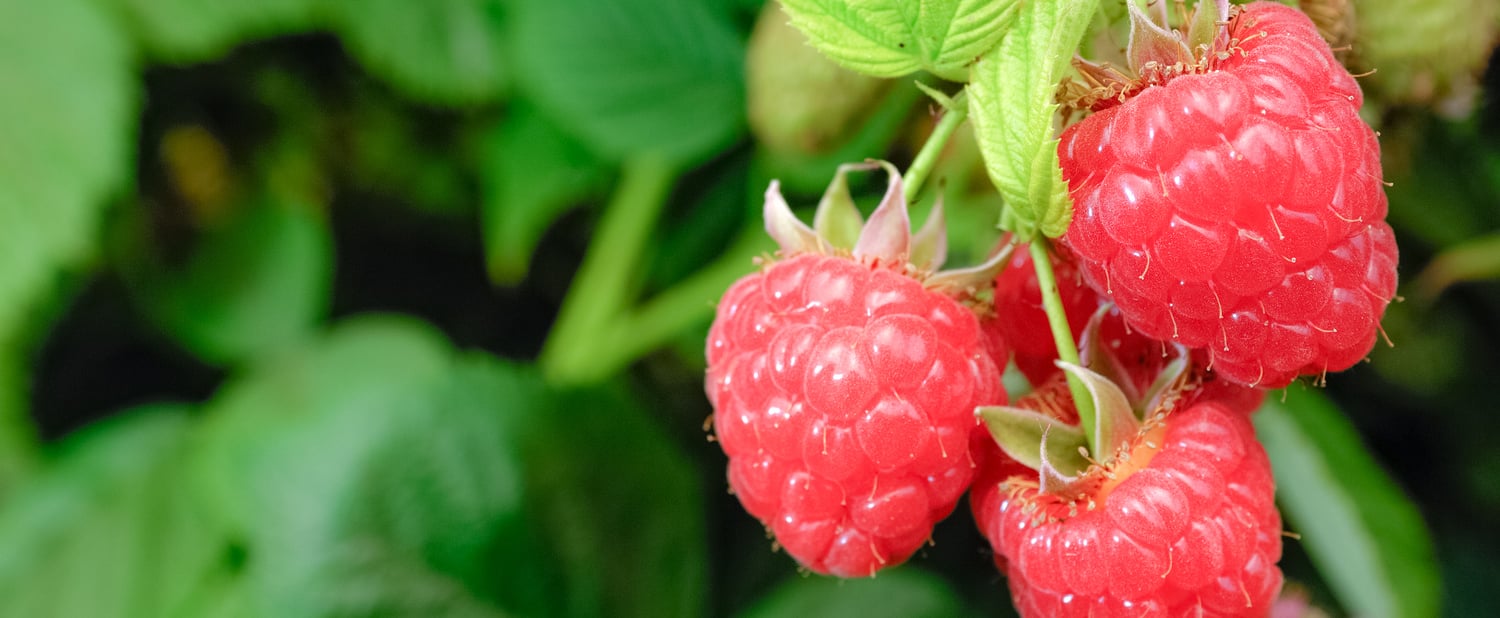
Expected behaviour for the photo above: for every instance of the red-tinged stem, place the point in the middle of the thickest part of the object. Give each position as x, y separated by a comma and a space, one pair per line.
1062, 334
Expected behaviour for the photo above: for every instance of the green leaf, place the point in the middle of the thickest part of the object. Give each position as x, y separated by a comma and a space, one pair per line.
891, 38
532, 173
258, 283
1011, 103
440, 51
408, 496
620, 505
373, 473
70, 96
1364, 535
18, 435
186, 31
899, 593
109, 514
634, 76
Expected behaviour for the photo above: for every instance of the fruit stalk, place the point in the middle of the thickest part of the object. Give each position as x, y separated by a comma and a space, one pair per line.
1062, 334
955, 112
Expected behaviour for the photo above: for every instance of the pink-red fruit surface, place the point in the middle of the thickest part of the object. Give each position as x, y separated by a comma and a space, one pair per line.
844, 396
1240, 210
1020, 320
1187, 528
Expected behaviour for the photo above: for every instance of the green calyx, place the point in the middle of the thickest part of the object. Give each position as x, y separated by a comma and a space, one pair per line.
1156, 53
1058, 451
1062, 453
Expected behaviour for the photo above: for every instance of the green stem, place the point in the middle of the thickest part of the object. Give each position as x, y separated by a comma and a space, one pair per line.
921, 166
686, 303
1062, 334
601, 290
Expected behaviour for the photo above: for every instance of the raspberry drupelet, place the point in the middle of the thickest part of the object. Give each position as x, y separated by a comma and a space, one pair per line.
844, 386
1230, 198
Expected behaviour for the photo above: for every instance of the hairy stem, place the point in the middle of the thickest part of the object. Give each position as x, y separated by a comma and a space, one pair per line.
1062, 334
926, 159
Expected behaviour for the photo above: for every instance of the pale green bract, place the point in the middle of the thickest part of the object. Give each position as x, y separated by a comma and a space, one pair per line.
1011, 102
891, 38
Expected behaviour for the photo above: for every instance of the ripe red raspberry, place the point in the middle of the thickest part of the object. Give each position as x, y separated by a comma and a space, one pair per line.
1184, 525
1233, 202
1021, 322
844, 392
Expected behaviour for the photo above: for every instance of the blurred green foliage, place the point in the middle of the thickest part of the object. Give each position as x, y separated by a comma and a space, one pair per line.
279, 277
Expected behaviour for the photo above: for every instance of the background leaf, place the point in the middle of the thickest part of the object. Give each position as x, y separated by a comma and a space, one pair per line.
533, 173
257, 283
620, 505
111, 512
408, 500
902, 593
1011, 105
1365, 536
195, 30
68, 129
632, 76
441, 51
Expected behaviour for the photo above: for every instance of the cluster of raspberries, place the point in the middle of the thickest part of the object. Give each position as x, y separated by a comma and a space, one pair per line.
1228, 218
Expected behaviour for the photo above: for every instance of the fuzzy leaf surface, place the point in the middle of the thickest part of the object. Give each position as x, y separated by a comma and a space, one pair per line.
891, 38
1364, 535
1011, 103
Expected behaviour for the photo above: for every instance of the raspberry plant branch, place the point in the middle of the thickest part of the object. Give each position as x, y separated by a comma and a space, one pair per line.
684, 304
1062, 334
606, 278
956, 110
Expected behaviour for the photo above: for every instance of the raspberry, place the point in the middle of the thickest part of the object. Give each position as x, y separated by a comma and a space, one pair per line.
844, 392
1236, 205
1184, 525
1021, 322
